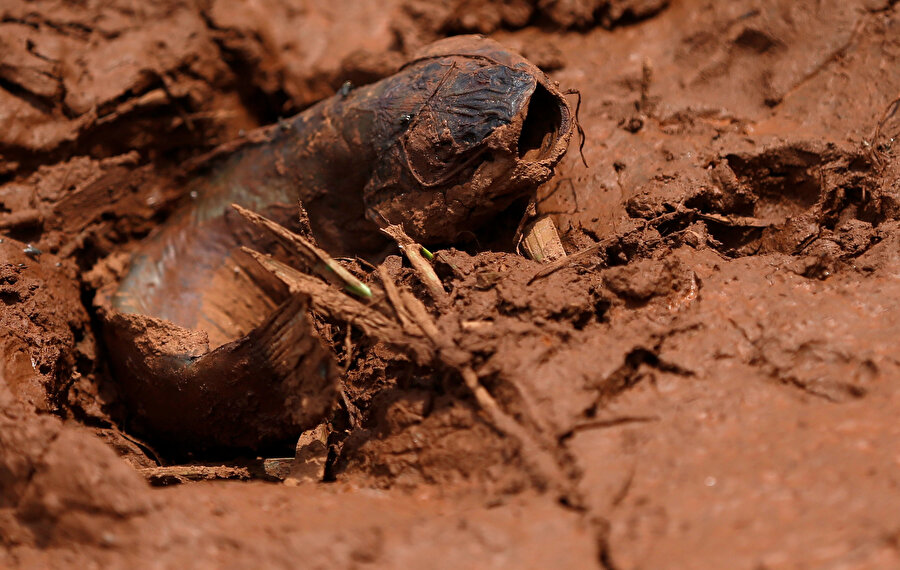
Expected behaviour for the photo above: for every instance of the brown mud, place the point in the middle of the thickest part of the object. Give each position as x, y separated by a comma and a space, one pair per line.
711, 383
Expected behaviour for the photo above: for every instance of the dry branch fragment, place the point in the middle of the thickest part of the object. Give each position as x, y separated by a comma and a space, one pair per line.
327, 301
734, 221
316, 258
570, 260
413, 252
177, 474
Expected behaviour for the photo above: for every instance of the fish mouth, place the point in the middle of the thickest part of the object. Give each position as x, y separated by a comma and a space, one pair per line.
539, 137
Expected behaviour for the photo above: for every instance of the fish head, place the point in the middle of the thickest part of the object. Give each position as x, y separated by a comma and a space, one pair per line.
480, 128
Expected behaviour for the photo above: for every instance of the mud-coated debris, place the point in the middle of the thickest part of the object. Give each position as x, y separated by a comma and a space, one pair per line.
277, 468
487, 279
40, 319
407, 325
326, 266
420, 258
178, 474
633, 124
280, 371
541, 241
308, 465
643, 280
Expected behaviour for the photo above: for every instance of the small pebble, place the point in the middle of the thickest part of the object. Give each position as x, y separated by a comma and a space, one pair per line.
32, 251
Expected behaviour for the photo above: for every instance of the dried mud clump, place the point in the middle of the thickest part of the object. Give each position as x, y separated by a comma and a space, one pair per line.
607, 13
46, 339
77, 79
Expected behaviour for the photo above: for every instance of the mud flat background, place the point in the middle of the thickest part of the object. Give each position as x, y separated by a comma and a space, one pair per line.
715, 384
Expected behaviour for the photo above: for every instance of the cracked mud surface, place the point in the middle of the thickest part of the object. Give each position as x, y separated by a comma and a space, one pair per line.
715, 380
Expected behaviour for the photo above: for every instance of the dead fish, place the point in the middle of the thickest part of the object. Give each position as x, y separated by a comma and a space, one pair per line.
455, 136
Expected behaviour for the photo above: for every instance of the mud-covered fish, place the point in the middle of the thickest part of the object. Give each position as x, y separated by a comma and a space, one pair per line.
205, 357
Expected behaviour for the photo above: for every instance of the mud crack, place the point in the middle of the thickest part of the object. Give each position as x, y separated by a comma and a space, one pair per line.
633, 370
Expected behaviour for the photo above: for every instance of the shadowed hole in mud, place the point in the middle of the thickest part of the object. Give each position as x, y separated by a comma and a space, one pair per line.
736, 241
10, 297
497, 234
541, 127
786, 180
776, 186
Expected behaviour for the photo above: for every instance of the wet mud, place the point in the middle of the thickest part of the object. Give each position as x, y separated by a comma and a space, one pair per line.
708, 379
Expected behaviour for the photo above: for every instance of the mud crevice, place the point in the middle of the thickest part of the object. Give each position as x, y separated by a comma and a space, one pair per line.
788, 178
43, 104
267, 106
602, 539
71, 29
629, 373
827, 389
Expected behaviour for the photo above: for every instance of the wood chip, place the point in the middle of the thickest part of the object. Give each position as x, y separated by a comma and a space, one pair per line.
541, 241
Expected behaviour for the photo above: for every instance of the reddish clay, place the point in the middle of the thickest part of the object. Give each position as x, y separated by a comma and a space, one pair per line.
716, 379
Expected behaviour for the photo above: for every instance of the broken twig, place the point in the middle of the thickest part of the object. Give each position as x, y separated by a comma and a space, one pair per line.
321, 262
327, 301
416, 254
571, 260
